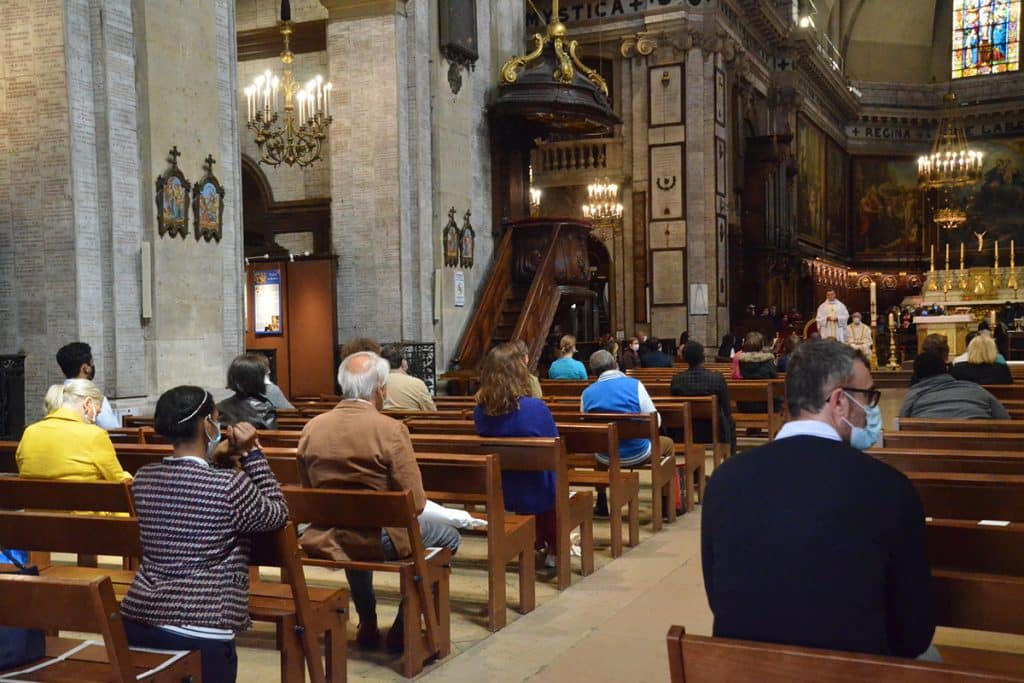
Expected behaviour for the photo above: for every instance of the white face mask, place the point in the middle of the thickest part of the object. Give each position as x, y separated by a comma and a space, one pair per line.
856, 321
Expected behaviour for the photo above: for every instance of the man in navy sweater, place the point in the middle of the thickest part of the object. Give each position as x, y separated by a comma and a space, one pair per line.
806, 540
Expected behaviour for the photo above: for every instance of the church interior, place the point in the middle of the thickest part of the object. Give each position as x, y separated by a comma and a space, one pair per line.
303, 179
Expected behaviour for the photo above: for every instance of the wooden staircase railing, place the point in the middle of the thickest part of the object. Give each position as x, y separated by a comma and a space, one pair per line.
541, 304
476, 341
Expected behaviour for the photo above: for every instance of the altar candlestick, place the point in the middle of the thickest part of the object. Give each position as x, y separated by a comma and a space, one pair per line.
890, 320
947, 255
992, 318
874, 311
933, 256
997, 253
961, 256
1011, 254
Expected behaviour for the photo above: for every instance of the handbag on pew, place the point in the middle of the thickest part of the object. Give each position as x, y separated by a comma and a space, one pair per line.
20, 645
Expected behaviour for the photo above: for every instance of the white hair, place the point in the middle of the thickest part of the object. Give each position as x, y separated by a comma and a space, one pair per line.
363, 385
71, 393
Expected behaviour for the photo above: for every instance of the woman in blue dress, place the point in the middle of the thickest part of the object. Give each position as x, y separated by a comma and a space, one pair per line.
567, 367
506, 409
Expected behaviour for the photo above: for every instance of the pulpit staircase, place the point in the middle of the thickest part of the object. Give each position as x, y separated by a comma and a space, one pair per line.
508, 311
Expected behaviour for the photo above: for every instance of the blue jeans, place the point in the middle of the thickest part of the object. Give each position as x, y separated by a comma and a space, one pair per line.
360, 582
220, 660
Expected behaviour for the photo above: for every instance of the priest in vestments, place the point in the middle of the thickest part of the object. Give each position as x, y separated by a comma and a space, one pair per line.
832, 318
858, 335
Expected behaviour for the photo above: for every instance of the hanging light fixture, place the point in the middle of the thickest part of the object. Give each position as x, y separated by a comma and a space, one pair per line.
950, 169
602, 202
295, 135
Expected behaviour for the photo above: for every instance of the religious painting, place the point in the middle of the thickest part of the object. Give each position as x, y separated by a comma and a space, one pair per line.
266, 298
887, 210
467, 241
997, 211
719, 96
450, 241
811, 197
986, 37
837, 184
172, 194
208, 205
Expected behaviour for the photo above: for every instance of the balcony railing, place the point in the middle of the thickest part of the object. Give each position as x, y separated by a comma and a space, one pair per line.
576, 162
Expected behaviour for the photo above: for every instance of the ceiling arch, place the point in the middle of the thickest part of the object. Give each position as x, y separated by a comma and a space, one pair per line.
903, 42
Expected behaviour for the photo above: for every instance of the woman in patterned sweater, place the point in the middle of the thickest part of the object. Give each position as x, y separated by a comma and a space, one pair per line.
196, 510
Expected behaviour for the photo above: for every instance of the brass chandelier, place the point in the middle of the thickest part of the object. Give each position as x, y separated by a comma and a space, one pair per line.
951, 167
290, 137
602, 202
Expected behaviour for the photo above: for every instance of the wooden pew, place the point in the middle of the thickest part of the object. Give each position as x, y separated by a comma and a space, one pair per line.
623, 487
948, 495
703, 409
937, 460
1006, 392
466, 479
288, 605
699, 659
920, 424
476, 480
663, 471
423, 577
89, 606
572, 508
957, 441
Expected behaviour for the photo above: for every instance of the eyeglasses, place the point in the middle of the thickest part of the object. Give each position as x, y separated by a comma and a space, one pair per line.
873, 395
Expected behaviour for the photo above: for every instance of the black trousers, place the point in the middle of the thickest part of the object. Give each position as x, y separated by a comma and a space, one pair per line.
220, 660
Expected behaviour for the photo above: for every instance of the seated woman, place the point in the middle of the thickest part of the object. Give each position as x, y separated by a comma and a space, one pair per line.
195, 512
67, 444
630, 355
567, 367
726, 350
756, 363
788, 347
981, 366
505, 408
247, 378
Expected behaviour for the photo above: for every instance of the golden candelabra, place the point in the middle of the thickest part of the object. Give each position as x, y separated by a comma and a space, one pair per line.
893, 363
932, 287
299, 136
874, 344
964, 282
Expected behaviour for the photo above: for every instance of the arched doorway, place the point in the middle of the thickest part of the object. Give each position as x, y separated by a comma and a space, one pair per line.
280, 229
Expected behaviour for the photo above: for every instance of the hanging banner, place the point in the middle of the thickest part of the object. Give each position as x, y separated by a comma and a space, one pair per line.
266, 299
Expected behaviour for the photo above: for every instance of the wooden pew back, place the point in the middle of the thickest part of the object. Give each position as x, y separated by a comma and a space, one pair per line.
920, 424
970, 496
699, 659
79, 605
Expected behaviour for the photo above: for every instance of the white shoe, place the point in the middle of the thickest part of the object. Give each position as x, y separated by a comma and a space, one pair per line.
550, 562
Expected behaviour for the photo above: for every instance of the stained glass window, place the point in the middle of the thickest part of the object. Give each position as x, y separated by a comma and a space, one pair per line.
986, 37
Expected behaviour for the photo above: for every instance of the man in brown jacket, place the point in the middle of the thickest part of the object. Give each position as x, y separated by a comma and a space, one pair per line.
354, 446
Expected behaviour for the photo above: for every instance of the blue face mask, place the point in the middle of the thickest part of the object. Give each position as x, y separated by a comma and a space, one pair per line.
867, 436
214, 440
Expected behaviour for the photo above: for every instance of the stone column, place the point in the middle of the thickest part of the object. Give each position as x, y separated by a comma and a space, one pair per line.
375, 216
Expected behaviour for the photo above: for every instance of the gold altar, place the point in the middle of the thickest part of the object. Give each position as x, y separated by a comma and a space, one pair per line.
953, 327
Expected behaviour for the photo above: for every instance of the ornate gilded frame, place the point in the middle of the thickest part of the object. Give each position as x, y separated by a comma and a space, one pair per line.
172, 184
210, 188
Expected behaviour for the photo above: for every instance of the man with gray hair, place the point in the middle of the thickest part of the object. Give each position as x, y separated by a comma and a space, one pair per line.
807, 540
615, 392
354, 446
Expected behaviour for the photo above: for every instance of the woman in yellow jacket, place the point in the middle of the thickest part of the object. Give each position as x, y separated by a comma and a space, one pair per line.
67, 444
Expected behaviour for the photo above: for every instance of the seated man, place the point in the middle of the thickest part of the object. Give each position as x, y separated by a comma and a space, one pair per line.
806, 540
858, 335
651, 355
75, 361
405, 392
938, 394
615, 392
936, 344
699, 381
353, 446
